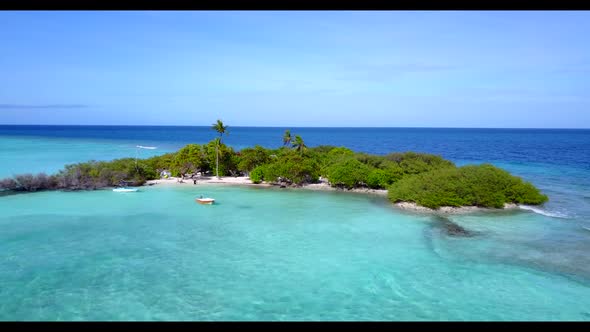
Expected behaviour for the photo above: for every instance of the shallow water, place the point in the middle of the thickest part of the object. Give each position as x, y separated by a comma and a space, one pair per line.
33, 154
272, 254
266, 254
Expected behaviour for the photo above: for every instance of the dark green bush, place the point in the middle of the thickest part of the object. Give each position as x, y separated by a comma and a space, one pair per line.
257, 174
322, 149
292, 168
378, 179
348, 173
372, 160
160, 163
474, 185
190, 159
415, 163
250, 158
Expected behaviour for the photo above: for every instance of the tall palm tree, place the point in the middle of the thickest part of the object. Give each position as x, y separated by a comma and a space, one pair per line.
299, 145
221, 129
287, 137
217, 143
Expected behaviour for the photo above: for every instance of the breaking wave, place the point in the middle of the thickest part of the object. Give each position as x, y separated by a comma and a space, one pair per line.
543, 212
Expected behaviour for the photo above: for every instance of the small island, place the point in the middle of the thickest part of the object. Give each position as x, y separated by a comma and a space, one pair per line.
416, 181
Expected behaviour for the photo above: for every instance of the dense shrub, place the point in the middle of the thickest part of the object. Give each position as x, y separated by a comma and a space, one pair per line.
372, 160
327, 156
190, 159
415, 163
162, 162
474, 185
249, 158
394, 171
257, 174
348, 173
340, 152
8, 184
322, 149
292, 168
30, 182
379, 179
93, 175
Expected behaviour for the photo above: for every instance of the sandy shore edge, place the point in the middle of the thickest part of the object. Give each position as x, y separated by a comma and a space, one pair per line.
224, 180
409, 206
245, 181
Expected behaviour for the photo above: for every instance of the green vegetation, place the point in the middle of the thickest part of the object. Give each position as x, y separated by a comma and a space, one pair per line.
191, 158
86, 176
348, 173
289, 167
474, 185
425, 179
250, 158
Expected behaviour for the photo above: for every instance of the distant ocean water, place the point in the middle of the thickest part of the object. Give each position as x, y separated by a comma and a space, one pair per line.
300, 256
549, 146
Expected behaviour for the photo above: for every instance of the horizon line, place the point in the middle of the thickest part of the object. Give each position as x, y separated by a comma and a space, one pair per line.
319, 127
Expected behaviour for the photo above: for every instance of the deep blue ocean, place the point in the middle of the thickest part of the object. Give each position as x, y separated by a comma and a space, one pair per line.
291, 255
569, 147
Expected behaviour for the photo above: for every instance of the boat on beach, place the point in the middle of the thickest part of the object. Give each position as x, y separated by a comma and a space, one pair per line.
205, 200
125, 190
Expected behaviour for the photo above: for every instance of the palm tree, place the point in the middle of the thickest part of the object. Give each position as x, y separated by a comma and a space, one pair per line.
287, 137
299, 145
217, 143
221, 129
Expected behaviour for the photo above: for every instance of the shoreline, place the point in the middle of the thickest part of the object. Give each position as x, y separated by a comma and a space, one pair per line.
245, 181
223, 180
404, 206
410, 206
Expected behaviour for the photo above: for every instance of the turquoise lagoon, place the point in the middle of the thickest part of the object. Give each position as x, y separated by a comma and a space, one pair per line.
280, 254
269, 254
34, 155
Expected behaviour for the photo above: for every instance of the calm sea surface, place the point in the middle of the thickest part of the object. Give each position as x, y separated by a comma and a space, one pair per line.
266, 254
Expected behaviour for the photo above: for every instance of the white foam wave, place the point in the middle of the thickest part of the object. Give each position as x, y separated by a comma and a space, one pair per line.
553, 214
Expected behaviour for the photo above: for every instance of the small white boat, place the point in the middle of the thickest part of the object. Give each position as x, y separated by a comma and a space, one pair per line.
205, 200
125, 190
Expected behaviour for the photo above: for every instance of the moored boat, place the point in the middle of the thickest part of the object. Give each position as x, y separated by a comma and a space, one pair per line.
125, 190
205, 200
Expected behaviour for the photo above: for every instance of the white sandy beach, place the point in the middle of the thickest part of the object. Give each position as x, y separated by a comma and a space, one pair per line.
244, 180
223, 180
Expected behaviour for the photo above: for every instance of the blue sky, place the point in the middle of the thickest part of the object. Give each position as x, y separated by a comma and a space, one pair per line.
282, 68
